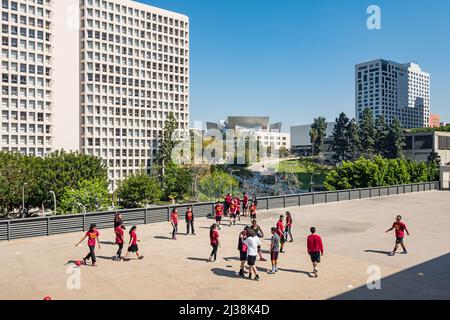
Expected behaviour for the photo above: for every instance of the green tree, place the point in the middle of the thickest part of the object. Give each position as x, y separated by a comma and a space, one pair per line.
138, 190
177, 182
367, 133
320, 127
340, 143
395, 142
92, 195
381, 133
353, 140
314, 135
168, 142
217, 184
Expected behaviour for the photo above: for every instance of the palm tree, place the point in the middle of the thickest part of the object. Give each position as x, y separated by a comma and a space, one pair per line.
314, 134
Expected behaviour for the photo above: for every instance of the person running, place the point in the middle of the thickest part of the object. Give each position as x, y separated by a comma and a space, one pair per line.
133, 244
218, 213
288, 230
120, 240
253, 212
238, 208
280, 230
174, 223
274, 250
228, 202
245, 205
315, 249
190, 221
214, 240
260, 234
242, 247
233, 212
93, 237
400, 228
252, 243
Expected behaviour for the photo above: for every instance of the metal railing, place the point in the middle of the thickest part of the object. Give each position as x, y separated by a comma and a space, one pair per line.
47, 226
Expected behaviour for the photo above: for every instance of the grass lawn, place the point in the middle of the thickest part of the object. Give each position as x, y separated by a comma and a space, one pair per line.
304, 168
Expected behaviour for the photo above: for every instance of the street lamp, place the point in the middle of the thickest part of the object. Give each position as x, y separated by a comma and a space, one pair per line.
81, 205
23, 199
54, 200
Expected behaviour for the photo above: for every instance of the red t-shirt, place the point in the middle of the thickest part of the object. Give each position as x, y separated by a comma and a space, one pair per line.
245, 200
215, 238
92, 237
280, 228
119, 235
189, 216
133, 236
228, 200
399, 229
288, 221
314, 243
174, 218
219, 210
253, 209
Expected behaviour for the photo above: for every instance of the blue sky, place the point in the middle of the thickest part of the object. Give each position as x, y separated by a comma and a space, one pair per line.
293, 60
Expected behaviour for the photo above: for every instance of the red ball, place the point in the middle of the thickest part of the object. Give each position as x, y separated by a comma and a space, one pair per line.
78, 263
48, 298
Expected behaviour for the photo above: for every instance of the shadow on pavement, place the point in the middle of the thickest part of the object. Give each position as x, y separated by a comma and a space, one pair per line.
377, 251
297, 271
198, 259
225, 273
425, 281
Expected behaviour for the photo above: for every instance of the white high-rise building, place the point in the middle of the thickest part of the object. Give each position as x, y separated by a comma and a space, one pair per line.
26, 58
95, 76
393, 90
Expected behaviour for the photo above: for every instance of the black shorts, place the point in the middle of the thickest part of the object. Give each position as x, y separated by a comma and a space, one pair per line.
399, 240
253, 216
282, 239
233, 216
133, 248
245, 207
315, 257
274, 255
243, 255
218, 218
251, 260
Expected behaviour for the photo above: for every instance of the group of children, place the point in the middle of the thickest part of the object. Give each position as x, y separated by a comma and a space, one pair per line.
249, 243
93, 236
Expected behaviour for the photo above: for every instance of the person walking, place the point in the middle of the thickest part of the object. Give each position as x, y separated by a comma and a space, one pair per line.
174, 223
245, 204
315, 249
120, 240
400, 229
280, 230
288, 229
252, 243
189, 221
260, 234
242, 247
133, 244
214, 240
274, 250
93, 238
218, 213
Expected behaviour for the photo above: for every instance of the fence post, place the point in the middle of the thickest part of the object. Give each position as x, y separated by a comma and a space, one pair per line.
284, 202
145, 216
388, 191
326, 197
168, 214
379, 192
313, 198
84, 222
360, 194
8, 230
49, 230
338, 196
299, 200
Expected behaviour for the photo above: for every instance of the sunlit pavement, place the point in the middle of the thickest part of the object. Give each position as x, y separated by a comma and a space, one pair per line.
353, 233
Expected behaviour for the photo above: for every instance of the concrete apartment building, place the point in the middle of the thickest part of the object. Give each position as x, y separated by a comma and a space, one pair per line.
393, 90
95, 76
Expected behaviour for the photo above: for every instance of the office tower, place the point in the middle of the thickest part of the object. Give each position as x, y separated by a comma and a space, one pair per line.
26, 100
393, 90
95, 76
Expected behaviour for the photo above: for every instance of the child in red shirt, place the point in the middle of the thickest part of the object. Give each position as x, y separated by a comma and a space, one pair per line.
400, 229
245, 204
253, 212
315, 248
288, 230
134, 243
233, 212
93, 237
218, 210
238, 208
280, 231
174, 223
214, 240
119, 240
189, 221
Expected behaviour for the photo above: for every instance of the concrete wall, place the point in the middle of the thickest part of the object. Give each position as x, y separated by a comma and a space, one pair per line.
66, 75
445, 177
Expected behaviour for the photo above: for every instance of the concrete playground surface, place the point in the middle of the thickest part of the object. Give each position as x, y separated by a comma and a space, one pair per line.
354, 238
